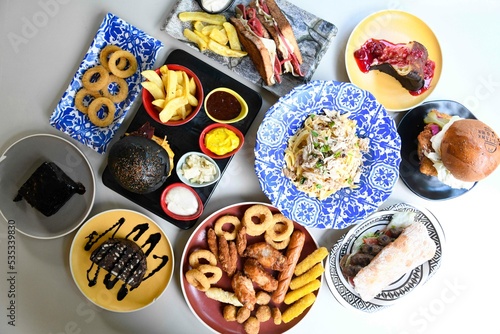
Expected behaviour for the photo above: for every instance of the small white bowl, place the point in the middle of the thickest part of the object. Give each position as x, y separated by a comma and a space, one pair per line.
186, 181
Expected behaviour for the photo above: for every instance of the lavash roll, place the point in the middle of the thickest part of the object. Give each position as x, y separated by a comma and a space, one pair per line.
412, 248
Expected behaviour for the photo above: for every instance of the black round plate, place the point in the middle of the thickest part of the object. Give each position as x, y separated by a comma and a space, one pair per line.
409, 127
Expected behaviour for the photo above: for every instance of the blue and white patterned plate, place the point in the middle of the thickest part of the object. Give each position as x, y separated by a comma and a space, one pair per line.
380, 168
344, 292
113, 30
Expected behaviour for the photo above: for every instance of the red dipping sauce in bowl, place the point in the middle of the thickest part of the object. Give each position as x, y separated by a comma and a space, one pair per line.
224, 105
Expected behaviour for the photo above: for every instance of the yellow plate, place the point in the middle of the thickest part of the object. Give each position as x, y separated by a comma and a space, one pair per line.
150, 289
397, 27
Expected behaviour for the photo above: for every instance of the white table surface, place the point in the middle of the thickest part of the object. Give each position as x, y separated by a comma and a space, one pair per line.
34, 74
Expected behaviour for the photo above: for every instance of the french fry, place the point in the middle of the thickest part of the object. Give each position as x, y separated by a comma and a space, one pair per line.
191, 36
202, 36
213, 32
171, 107
203, 17
206, 30
232, 35
198, 25
153, 77
224, 50
219, 36
173, 93
155, 91
163, 69
192, 86
160, 103
172, 85
192, 100
185, 86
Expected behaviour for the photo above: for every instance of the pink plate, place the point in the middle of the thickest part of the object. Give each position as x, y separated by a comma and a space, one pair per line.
209, 311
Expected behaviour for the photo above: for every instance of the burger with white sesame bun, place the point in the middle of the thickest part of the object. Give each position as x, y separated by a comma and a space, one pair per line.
459, 152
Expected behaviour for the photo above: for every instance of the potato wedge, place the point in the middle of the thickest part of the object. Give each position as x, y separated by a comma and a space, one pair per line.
219, 36
203, 17
207, 29
172, 86
160, 103
153, 77
163, 69
171, 107
203, 37
198, 25
232, 36
191, 36
155, 91
224, 50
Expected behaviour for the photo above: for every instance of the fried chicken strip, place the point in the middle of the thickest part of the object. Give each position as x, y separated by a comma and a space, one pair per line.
254, 270
267, 255
243, 289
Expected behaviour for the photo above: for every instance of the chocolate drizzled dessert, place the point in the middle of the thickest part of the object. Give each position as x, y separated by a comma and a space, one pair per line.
123, 259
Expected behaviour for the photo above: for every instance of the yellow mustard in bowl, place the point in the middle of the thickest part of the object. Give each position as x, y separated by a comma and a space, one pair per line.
221, 141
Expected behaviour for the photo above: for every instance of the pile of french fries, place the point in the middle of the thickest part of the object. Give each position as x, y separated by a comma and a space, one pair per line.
174, 93
212, 32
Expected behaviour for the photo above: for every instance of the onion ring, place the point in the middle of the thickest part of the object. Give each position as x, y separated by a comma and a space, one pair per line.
106, 51
215, 273
122, 73
227, 219
197, 279
122, 89
95, 78
280, 234
196, 257
95, 106
265, 216
80, 97
279, 245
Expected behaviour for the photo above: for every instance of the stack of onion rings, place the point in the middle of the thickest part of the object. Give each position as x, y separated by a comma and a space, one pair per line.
205, 271
278, 235
104, 85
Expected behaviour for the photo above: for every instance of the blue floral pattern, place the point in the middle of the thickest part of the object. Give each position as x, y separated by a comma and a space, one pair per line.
381, 162
113, 30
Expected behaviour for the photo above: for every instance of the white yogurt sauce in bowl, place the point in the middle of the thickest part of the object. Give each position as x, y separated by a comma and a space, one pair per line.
181, 202
215, 6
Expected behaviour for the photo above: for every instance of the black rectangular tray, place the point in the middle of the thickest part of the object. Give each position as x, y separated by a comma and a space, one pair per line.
184, 138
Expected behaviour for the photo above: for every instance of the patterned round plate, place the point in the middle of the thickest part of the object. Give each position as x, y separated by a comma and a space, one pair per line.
380, 167
344, 292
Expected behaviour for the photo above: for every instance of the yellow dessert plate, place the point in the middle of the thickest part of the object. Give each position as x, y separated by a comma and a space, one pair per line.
135, 227
397, 27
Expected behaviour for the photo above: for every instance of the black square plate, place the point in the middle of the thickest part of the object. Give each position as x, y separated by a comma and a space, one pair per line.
184, 138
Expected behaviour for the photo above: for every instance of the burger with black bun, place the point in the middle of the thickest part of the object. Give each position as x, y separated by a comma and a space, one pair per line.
459, 152
140, 162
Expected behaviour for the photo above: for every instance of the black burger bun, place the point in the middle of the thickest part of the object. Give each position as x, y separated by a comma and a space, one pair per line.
470, 150
139, 164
